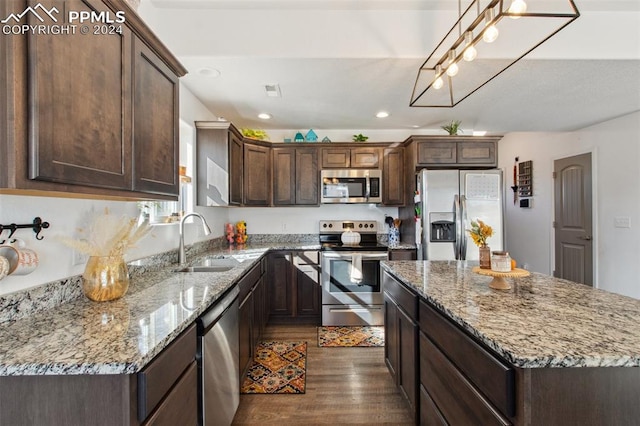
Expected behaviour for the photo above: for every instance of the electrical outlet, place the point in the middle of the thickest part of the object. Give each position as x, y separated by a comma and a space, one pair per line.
622, 222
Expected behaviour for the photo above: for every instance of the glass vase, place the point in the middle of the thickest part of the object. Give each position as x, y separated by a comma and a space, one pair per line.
485, 257
105, 278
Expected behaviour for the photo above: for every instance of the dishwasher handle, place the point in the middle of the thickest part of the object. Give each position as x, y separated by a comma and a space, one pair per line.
211, 317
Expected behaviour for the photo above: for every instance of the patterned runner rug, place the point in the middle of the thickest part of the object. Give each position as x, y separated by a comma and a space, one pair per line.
346, 337
278, 367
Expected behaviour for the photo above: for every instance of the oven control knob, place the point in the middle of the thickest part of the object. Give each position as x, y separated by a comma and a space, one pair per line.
330, 225
371, 225
360, 226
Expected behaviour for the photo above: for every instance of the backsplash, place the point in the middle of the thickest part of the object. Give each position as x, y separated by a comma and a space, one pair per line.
21, 304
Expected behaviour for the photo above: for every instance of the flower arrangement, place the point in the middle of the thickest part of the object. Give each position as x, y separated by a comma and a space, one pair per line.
107, 234
479, 232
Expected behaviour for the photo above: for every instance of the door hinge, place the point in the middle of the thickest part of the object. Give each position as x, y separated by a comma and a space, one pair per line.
555, 224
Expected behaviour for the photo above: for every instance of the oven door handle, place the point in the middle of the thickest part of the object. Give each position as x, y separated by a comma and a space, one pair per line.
333, 255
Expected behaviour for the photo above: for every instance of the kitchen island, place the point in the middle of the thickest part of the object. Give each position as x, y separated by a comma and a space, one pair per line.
545, 352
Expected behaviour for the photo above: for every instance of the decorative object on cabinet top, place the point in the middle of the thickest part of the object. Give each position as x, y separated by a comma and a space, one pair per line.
360, 138
311, 136
452, 128
258, 134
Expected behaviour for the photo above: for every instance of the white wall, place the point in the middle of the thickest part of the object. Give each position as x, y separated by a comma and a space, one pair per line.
304, 220
615, 148
192, 110
65, 214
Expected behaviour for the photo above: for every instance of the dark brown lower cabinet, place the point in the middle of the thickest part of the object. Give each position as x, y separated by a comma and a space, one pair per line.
403, 254
391, 347
245, 316
401, 338
252, 314
180, 407
293, 287
163, 393
429, 413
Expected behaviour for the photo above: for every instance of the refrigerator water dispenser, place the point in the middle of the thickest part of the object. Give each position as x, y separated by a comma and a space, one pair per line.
443, 227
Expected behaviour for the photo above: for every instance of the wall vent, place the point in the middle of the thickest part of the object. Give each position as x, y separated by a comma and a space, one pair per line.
273, 90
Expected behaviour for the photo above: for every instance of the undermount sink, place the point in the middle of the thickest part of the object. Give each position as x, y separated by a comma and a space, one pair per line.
202, 268
211, 265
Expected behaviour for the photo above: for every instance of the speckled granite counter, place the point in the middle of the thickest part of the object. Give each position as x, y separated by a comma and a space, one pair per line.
541, 322
121, 337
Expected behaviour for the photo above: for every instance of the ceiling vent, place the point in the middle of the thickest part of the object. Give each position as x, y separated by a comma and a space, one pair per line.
273, 90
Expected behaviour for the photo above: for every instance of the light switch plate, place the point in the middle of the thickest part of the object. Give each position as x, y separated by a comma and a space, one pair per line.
622, 222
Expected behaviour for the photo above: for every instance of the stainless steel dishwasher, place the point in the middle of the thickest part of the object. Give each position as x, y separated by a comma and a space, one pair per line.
218, 364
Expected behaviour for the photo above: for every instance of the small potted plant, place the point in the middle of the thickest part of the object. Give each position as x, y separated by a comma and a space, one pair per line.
452, 128
360, 138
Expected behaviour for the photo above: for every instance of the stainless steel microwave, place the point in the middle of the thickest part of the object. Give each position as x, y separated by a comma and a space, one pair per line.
351, 186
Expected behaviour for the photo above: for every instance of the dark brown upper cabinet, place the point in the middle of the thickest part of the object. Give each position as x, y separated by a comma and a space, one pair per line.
93, 114
295, 176
393, 186
455, 151
155, 124
257, 174
345, 157
236, 168
218, 164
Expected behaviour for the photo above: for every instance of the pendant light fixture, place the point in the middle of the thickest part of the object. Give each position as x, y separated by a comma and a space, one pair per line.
470, 52
481, 45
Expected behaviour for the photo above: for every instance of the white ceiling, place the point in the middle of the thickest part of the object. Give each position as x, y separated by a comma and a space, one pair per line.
338, 62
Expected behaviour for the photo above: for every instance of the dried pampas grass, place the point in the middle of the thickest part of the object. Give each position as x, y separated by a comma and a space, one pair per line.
107, 234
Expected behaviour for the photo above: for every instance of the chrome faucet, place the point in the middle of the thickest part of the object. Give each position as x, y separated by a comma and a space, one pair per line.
181, 255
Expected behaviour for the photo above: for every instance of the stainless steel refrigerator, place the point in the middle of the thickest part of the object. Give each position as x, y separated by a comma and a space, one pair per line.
447, 202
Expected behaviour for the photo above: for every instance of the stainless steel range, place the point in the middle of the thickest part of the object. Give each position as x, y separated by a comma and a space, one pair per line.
351, 283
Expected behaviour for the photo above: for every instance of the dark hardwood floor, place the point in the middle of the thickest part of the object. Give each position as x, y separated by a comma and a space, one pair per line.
344, 386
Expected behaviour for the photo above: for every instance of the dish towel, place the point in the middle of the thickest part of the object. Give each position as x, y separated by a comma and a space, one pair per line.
355, 274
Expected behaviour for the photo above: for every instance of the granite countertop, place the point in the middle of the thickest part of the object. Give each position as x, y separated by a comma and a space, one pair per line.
122, 336
541, 321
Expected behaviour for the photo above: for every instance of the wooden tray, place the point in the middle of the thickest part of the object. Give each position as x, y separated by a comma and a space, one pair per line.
499, 282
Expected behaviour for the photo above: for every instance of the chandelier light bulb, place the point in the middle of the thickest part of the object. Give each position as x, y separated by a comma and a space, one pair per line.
519, 7
438, 83
470, 52
490, 31
452, 69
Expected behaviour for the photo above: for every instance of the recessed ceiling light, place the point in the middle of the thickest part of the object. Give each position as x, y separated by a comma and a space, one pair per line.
479, 133
415, 126
208, 72
264, 116
382, 114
